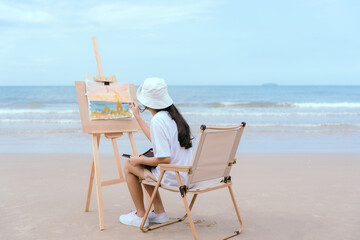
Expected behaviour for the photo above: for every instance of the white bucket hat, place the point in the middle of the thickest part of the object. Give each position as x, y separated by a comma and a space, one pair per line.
153, 93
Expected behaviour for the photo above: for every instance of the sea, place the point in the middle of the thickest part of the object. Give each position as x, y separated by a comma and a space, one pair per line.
279, 118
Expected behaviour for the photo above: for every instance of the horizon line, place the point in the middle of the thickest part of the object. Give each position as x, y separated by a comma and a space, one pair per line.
211, 85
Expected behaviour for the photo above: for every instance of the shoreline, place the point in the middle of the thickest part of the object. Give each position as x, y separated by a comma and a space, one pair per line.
280, 196
251, 142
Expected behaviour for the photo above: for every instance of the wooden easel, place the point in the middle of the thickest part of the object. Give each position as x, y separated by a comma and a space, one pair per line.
111, 129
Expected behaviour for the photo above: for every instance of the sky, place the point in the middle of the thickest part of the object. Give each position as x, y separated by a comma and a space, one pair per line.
229, 42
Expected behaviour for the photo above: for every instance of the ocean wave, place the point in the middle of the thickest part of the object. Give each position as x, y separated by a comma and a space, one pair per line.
39, 131
328, 105
41, 121
30, 105
271, 114
37, 111
236, 104
306, 125
249, 104
284, 125
273, 105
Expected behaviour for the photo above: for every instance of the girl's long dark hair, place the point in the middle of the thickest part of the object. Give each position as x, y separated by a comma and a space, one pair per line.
184, 133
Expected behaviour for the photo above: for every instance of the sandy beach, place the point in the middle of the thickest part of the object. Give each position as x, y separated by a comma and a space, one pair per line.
297, 176
288, 69
280, 196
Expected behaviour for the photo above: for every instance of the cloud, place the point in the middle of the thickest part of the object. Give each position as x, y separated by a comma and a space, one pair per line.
35, 61
152, 36
120, 15
26, 26
34, 70
21, 13
87, 15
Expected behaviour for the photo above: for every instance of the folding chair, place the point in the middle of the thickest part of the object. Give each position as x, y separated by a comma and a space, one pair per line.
210, 170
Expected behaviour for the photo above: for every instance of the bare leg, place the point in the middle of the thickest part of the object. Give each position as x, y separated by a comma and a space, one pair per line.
132, 179
158, 206
132, 175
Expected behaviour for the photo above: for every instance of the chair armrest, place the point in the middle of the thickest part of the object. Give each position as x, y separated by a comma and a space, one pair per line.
174, 167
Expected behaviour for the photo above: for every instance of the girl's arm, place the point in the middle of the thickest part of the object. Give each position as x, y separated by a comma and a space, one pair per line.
150, 161
145, 128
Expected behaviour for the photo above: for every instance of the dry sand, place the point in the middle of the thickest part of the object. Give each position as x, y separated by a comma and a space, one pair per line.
280, 196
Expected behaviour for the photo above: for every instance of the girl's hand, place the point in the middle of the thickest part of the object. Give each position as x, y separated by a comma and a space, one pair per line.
135, 109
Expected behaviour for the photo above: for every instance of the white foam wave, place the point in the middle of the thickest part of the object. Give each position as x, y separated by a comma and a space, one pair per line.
271, 114
328, 105
268, 104
42, 121
37, 111
285, 125
39, 131
211, 114
306, 125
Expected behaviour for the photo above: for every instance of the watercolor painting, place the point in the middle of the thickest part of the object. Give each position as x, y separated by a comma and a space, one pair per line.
108, 101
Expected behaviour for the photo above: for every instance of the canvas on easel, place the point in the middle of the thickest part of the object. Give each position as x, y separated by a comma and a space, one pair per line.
112, 127
110, 101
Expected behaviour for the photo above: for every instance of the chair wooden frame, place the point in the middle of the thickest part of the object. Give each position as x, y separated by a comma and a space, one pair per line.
183, 189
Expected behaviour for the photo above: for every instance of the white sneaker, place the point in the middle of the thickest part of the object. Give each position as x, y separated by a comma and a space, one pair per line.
157, 218
132, 219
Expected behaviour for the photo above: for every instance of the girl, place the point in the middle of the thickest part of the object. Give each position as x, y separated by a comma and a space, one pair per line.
171, 140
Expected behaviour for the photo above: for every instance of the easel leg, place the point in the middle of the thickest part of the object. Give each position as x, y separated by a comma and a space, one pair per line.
117, 158
95, 144
132, 142
91, 180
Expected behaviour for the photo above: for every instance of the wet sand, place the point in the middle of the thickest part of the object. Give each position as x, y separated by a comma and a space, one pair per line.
280, 196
